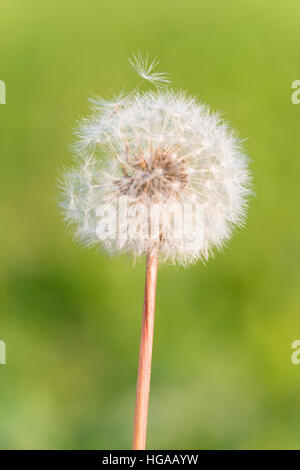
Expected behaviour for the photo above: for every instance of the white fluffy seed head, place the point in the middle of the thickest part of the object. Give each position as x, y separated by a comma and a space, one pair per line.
158, 149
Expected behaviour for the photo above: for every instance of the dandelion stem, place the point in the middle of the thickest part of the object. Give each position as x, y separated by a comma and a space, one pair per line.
144, 371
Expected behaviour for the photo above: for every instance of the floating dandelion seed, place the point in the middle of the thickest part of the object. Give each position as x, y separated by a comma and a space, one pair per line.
144, 68
156, 152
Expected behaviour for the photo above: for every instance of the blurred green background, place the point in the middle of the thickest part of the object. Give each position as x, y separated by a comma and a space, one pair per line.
222, 372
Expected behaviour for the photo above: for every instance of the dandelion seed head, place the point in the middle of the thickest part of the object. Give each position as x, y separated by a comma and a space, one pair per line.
157, 148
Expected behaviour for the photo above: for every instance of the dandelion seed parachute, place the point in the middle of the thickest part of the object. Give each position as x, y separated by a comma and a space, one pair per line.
157, 147
144, 68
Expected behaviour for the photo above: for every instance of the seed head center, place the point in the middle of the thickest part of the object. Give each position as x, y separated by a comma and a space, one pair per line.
160, 176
